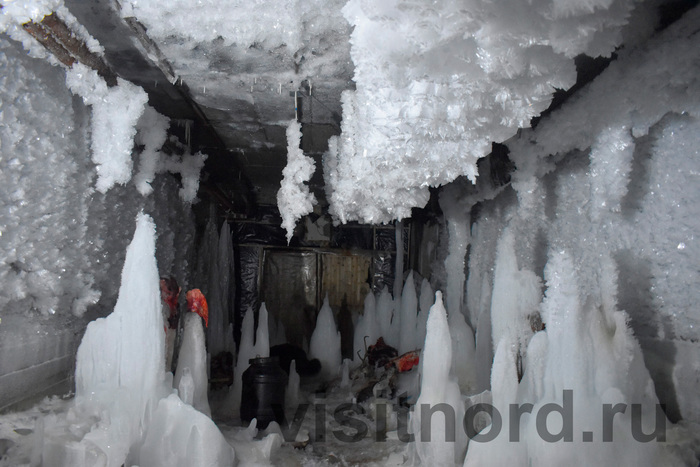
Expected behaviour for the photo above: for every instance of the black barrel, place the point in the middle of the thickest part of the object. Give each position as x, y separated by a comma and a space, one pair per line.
262, 397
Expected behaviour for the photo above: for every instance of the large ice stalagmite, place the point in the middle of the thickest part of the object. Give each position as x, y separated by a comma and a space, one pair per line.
193, 359
120, 361
119, 416
438, 387
325, 342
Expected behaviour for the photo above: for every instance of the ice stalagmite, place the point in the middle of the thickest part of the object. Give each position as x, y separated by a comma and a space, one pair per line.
425, 302
409, 316
385, 314
246, 351
463, 346
325, 342
367, 327
193, 357
262, 334
585, 360
120, 361
446, 442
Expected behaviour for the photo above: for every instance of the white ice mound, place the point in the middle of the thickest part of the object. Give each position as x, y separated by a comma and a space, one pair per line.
180, 436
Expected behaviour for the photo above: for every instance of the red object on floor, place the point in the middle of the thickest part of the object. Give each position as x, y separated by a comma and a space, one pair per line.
406, 361
196, 303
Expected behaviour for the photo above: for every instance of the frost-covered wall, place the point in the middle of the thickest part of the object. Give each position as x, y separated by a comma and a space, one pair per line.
62, 242
610, 181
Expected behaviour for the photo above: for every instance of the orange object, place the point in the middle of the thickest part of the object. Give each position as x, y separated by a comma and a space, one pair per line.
407, 361
196, 303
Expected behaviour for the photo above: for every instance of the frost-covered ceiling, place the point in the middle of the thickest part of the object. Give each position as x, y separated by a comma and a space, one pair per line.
432, 83
231, 71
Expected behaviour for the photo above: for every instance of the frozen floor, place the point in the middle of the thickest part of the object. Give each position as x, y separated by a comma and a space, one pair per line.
311, 447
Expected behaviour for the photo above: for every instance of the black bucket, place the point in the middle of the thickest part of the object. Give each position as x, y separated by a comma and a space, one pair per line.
262, 396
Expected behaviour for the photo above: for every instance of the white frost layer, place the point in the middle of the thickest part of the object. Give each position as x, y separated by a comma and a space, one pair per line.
448, 80
115, 112
293, 197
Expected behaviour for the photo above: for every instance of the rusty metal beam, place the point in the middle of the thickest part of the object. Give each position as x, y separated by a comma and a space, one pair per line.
58, 39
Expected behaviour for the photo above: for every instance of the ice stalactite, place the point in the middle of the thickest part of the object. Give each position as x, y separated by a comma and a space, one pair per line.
293, 198
152, 132
325, 342
115, 112
439, 388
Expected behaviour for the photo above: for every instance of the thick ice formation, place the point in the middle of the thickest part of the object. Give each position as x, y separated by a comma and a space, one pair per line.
192, 359
325, 342
293, 198
515, 301
152, 134
120, 362
120, 415
589, 352
179, 435
491, 65
115, 112
438, 387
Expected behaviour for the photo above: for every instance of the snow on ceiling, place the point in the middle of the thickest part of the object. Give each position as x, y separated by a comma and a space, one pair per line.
434, 84
451, 78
